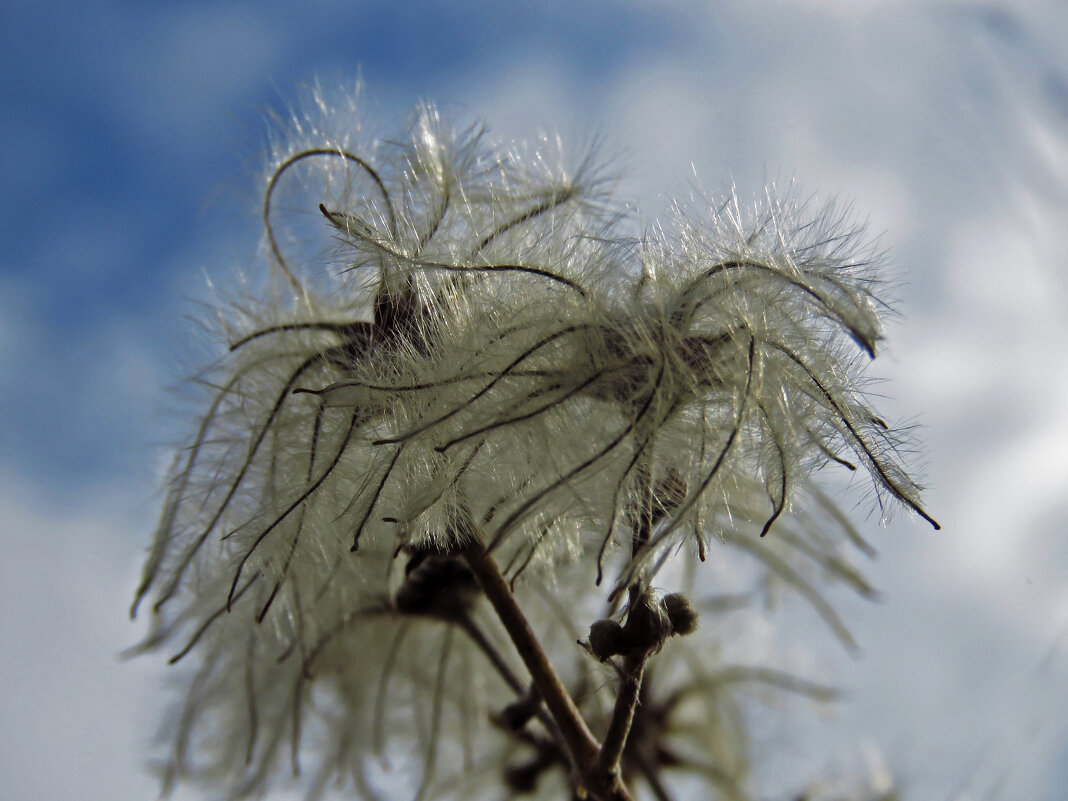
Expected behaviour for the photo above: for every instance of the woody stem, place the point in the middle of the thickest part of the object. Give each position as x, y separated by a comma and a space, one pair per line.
582, 747
580, 741
623, 714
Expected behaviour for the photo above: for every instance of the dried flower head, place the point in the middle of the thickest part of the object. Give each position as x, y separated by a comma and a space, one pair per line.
496, 362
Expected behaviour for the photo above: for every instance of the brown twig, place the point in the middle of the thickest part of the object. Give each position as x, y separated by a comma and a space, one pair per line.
615, 739
583, 750
581, 744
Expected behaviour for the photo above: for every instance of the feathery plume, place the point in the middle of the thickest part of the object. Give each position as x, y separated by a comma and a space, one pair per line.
495, 363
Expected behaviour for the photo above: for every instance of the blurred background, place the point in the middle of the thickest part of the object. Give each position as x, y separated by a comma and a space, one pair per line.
132, 135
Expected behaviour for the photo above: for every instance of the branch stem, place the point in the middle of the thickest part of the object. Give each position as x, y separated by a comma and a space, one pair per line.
583, 750
623, 714
653, 779
470, 627
581, 744
495, 658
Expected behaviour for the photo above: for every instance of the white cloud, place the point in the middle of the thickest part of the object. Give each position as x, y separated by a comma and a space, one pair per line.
76, 720
182, 65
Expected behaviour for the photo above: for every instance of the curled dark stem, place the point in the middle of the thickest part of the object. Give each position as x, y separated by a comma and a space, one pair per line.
873, 461
374, 499
644, 524
495, 268
834, 457
300, 500
177, 494
207, 623
865, 341
525, 416
778, 503
339, 328
257, 441
496, 380
420, 264
638, 452
524, 507
550, 203
289, 162
688, 504
458, 379
526, 561
316, 427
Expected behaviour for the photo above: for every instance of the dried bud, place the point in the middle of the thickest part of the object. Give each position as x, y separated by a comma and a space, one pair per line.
515, 716
647, 624
681, 613
438, 586
607, 639
523, 778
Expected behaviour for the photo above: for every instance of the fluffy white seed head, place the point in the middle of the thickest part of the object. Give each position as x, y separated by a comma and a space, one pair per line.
490, 352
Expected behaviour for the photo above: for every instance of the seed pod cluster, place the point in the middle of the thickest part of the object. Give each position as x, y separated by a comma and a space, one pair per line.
650, 621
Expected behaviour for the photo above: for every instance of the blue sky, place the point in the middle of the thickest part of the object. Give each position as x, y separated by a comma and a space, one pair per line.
132, 136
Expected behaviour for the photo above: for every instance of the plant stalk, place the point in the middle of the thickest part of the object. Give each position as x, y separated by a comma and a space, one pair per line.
583, 749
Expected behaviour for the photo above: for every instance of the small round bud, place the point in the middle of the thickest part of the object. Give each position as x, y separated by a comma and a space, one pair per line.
681, 613
436, 586
523, 778
606, 639
515, 716
647, 625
